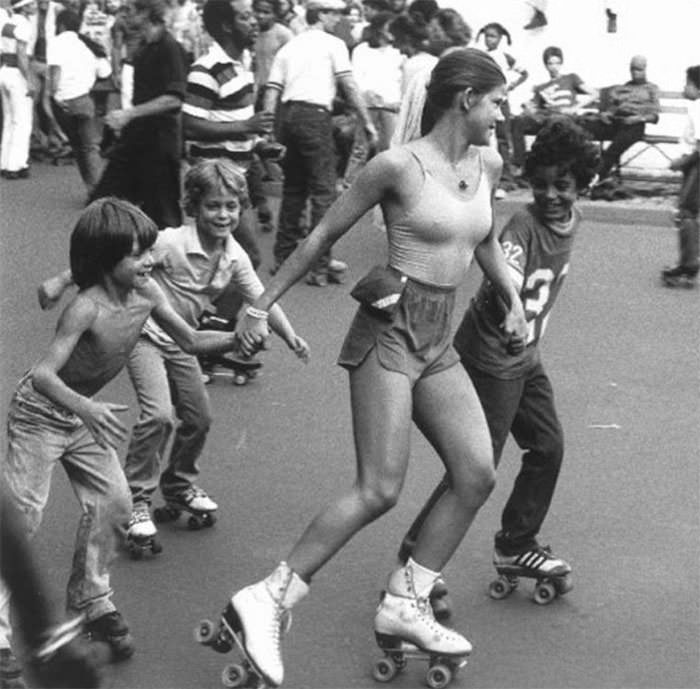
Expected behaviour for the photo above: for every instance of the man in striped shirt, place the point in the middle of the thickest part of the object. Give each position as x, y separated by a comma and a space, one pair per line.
218, 115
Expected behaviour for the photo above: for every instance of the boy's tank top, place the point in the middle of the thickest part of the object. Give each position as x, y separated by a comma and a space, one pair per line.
434, 241
98, 358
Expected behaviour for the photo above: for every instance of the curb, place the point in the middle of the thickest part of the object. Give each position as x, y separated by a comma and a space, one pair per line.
640, 210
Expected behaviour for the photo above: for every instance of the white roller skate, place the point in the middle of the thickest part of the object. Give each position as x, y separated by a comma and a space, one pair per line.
253, 622
552, 574
141, 532
405, 628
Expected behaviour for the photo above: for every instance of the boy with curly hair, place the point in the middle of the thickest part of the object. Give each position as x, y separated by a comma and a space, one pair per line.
513, 387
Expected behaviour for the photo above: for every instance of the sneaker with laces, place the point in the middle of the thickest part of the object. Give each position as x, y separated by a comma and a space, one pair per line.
10, 671
112, 629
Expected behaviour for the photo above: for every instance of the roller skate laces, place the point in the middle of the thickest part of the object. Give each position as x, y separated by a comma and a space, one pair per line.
141, 526
407, 616
196, 500
264, 613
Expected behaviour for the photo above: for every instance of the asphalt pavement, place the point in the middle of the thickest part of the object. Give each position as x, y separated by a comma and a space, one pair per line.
622, 353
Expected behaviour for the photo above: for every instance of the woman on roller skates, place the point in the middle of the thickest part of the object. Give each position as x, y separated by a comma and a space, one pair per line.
436, 195
513, 387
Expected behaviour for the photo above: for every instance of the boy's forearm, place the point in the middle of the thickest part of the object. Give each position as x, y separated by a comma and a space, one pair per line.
209, 342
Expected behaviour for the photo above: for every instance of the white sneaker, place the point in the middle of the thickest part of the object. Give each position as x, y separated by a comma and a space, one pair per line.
263, 611
412, 620
141, 526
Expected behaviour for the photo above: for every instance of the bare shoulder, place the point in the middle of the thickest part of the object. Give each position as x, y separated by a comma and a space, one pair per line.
492, 159
493, 163
393, 164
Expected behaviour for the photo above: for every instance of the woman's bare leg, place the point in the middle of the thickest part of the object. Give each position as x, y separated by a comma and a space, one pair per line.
381, 410
447, 410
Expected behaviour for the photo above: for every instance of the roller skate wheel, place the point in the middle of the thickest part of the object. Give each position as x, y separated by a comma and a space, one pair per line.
165, 514
545, 592
564, 584
384, 670
501, 588
194, 523
156, 547
438, 677
209, 519
240, 379
205, 632
234, 675
135, 551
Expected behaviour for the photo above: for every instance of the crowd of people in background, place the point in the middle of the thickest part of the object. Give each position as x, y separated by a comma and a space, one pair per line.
230, 95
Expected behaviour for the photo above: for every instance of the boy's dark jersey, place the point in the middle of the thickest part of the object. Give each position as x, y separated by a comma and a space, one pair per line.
539, 255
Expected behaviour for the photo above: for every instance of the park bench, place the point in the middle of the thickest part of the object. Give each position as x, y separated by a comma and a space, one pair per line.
648, 159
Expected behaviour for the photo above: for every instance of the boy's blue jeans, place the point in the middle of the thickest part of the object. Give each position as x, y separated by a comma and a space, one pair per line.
41, 434
165, 377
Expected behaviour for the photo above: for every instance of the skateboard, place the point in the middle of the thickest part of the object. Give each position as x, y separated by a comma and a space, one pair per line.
140, 546
224, 638
172, 510
239, 369
442, 668
547, 587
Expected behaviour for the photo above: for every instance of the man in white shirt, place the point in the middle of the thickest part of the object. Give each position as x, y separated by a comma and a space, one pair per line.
305, 77
16, 90
72, 72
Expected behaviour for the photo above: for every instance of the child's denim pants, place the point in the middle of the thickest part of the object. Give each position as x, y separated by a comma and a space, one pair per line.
40, 434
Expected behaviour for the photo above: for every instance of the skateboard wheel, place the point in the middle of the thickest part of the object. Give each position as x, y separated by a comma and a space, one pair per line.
156, 547
234, 675
135, 552
240, 379
205, 632
545, 592
385, 670
438, 677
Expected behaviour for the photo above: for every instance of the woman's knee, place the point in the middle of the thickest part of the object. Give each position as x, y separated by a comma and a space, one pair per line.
480, 479
379, 498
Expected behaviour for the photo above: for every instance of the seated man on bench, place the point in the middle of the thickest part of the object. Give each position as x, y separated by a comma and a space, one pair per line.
624, 112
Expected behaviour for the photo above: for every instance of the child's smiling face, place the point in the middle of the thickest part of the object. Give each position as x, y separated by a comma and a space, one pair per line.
218, 213
554, 191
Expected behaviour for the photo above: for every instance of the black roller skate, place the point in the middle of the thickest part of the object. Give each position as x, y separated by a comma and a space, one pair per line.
552, 574
679, 276
200, 507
